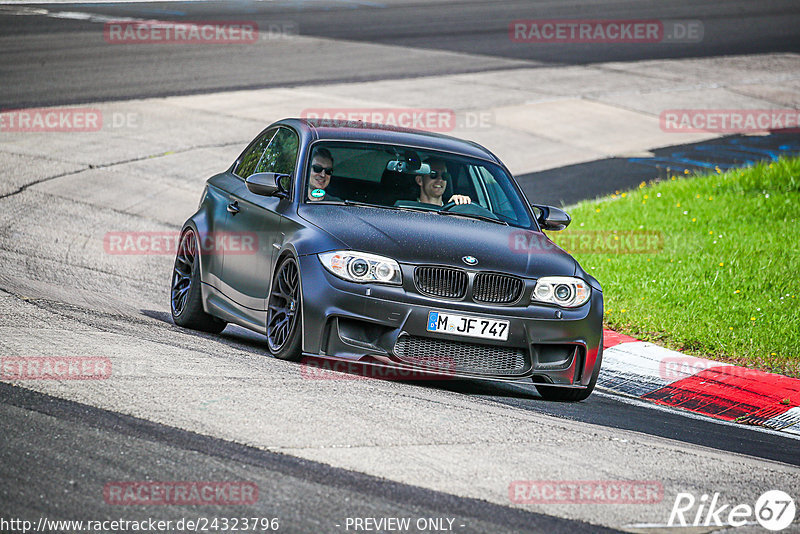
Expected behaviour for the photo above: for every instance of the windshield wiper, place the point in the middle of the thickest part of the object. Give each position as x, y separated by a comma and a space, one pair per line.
352, 203
408, 208
368, 205
474, 216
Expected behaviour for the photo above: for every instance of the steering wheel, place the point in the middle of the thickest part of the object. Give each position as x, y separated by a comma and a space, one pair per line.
448, 206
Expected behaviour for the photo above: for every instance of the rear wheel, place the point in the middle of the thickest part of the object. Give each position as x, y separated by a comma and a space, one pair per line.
573, 395
186, 300
284, 322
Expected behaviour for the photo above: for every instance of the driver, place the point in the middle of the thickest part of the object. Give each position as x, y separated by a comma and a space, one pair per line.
432, 186
320, 175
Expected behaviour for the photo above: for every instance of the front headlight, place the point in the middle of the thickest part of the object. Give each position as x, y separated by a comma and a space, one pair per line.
563, 291
361, 267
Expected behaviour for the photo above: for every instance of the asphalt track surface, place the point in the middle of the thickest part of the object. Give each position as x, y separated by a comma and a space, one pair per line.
48, 61
306, 496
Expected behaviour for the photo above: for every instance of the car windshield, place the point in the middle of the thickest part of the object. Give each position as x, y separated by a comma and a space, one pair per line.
398, 177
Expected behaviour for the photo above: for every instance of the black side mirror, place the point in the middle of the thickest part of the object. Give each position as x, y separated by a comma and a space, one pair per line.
551, 218
267, 184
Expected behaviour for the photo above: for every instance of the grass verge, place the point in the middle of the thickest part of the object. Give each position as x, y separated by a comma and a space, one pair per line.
708, 265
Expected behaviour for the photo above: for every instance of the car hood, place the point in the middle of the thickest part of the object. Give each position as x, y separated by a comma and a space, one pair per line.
430, 238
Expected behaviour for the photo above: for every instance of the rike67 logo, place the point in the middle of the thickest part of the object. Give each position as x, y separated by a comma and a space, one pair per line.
774, 510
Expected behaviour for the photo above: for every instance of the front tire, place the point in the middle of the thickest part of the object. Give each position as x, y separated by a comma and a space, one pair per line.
284, 321
551, 393
186, 300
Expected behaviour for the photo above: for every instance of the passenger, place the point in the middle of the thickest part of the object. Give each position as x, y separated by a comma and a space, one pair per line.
432, 186
320, 175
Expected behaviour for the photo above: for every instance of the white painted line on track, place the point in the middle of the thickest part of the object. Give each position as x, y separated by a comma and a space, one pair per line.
72, 15
788, 421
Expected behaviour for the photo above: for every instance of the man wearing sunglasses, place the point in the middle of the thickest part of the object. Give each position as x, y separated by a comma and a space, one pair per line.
320, 176
433, 185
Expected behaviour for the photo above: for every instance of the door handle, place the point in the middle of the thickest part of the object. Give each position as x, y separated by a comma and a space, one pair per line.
233, 207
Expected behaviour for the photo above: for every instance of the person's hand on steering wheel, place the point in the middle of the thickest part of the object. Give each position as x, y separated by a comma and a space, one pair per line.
456, 200
460, 199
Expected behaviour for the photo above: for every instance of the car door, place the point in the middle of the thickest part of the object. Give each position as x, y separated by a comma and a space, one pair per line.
255, 220
216, 199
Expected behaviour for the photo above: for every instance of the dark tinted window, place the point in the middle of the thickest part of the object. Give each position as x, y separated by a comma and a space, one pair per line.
281, 154
250, 159
368, 173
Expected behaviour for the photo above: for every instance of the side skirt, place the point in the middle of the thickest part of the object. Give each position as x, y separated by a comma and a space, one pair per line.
221, 306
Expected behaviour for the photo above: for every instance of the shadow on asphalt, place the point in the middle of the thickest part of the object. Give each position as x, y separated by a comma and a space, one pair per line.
242, 338
233, 335
603, 410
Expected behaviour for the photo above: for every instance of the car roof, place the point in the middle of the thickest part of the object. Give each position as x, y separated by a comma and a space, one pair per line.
333, 130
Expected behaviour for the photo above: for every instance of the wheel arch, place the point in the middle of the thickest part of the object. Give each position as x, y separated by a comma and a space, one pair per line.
199, 224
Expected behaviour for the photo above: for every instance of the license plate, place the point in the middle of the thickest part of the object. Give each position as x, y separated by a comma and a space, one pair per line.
464, 325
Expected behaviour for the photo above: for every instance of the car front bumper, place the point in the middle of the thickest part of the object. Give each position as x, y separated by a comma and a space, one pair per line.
386, 326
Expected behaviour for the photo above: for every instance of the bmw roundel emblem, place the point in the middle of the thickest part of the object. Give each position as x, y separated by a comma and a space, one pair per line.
470, 260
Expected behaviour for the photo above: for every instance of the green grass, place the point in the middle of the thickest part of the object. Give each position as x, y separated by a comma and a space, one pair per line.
725, 283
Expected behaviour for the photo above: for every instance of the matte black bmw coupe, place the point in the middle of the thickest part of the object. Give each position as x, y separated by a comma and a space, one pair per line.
390, 247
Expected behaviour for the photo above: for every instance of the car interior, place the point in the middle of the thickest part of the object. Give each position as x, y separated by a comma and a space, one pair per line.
365, 177
386, 176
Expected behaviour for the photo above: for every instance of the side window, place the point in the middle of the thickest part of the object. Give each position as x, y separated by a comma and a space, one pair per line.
281, 154
498, 197
250, 159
